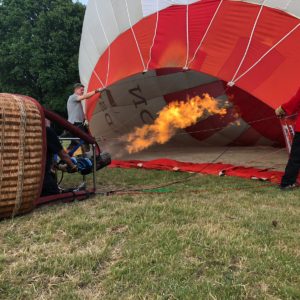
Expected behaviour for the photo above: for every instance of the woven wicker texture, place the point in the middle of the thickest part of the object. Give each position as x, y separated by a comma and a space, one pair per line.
21, 154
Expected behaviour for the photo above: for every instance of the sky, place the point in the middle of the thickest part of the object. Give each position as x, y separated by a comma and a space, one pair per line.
83, 1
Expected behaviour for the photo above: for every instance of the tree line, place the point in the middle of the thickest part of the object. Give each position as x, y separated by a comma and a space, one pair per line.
39, 45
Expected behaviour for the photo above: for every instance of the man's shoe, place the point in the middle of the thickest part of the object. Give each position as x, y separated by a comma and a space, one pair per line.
288, 187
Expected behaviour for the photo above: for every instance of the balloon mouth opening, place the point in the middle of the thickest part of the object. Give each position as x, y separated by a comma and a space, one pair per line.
135, 101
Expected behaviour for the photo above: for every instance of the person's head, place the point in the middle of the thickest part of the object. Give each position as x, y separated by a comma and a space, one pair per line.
78, 89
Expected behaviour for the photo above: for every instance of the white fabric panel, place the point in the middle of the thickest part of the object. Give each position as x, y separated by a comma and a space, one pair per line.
293, 7
89, 51
105, 12
85, 63
93, 40
150, 6
84, 69
290, 6
125, 115
120, 11
114, 18
227, 135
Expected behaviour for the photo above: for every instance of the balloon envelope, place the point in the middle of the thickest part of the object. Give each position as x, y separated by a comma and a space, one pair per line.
148, 53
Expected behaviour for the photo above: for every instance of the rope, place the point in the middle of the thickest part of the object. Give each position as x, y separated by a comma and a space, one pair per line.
208, 130
205, 34
61, 178
99, 79
155, 34
249, 42
202, 191
21, 158
90, 64
191, 176
220, 128
140, 189
187, 38
259, 159
2, 145
146, 190
108, 44
134, 36
264, 55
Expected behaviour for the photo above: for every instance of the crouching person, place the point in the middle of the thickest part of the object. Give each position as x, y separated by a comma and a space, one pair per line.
290, 176
50, 186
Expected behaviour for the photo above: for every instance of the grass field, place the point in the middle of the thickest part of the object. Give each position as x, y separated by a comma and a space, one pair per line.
199, 239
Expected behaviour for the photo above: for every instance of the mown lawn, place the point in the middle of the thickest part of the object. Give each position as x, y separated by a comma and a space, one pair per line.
198, 239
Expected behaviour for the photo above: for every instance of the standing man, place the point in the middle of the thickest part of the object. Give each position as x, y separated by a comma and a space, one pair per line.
290, 176
75, 110
76, 114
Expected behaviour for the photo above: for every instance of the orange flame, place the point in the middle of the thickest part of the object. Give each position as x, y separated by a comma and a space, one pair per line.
176, 115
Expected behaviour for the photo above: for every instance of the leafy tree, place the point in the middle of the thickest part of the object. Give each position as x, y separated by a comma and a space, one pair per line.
39, 44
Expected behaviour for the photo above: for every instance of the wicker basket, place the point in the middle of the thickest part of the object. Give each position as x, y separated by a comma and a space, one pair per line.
21, 154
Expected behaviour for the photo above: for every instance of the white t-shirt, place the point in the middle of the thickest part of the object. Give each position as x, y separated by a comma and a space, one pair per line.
75, 110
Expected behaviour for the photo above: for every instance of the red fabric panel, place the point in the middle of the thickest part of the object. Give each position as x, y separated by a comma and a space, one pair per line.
92, 102
234, 20
208, 127
124, 53
170, 45
222, 49
204, 168
248, 138
214, 89
232, 26
124, 58
252, 109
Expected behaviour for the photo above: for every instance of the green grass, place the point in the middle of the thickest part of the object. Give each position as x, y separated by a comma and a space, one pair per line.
198, 239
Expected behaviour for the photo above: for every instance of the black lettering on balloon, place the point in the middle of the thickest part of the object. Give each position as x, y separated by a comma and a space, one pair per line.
110, 98
136, 92
102, 105
109, 119
145, 114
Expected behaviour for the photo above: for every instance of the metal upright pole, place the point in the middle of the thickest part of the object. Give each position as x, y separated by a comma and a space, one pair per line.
94, 167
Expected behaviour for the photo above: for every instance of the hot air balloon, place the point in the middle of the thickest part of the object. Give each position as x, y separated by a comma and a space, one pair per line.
148, 53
